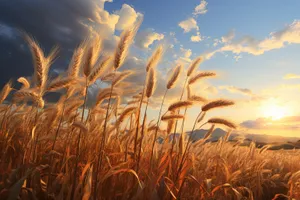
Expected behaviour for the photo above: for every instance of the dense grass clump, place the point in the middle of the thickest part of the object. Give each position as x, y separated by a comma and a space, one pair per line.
110, 151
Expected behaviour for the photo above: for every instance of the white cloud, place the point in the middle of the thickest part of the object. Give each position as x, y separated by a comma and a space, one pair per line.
233, 89
229, 37
186, 52
185, 58
106, 23
188, 25
106, 20
237, 57
216, 42
127, 17
7, 31
102, 2
145, 38
276, 40
196, 38
291, 76
201, 8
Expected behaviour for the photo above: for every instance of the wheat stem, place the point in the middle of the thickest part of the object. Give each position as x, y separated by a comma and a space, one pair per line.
78, 141
156, 130
142, 136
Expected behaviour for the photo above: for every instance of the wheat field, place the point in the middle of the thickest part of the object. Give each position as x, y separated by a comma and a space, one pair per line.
68, 150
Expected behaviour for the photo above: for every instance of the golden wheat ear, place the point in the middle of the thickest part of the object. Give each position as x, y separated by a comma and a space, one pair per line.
217, 104
52, 56
121, 76
39, 61
126, 40
194, 65
97, 43
222, 121
126, 113
25, 83
60, 84
74, 66
174, 77
5, 91
87, 66
172, 117
150, 84
155, 58
197, 99
180, 104
99, 70
201, 75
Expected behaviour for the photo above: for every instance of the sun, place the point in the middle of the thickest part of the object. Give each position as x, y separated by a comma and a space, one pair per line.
274, 111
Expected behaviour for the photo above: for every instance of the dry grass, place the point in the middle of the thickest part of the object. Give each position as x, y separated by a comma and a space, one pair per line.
54, 151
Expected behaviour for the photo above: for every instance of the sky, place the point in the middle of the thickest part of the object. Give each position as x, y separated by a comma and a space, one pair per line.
253, 46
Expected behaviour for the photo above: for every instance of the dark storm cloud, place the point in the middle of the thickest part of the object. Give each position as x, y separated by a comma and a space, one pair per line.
54, 22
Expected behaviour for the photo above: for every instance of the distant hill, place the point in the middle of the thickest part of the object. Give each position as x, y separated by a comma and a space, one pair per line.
278, 142
218, 133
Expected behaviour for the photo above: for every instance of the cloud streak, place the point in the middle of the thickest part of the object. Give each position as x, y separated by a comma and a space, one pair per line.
291, 76
201, 9
290, 122
146, 38
276, 40
189, 25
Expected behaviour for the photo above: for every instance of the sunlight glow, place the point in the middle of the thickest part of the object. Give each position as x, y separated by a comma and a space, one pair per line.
274, 111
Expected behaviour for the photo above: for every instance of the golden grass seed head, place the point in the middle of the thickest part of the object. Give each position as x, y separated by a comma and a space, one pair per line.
121, 76
172, 117
174, 77
121, 51
5, 91
199, 76
25, 83
217, 104
180, 104
87, 66
76, 61
99, 70
222, 121
60, 83
151, 82
155, 58
194, 65
196, 98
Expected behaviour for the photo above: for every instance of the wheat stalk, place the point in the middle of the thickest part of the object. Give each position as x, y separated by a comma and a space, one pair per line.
193, 66
217, 104
180, 104
150, 83
171, 117
27, 94
126, 39
99, 70
38, 61
174, 77
87, 67
24, 82
196, 98
155, 58
60, 84
199, 76
222, 121
5, 91
75, 63
120, 77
